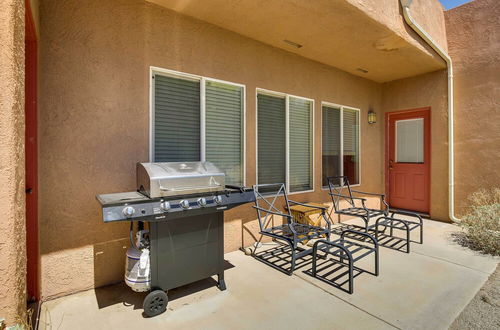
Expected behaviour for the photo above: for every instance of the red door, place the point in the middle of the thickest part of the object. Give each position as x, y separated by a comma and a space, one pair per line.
31, 156
408, 159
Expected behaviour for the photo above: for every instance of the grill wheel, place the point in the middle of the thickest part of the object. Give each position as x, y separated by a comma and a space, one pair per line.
155, 303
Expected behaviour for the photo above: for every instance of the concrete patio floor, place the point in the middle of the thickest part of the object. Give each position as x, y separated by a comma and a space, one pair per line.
426, 289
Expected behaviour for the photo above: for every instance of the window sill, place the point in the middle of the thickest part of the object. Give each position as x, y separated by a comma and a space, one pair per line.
300, 192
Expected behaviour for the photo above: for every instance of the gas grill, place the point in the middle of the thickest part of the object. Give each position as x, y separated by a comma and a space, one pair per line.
184, 204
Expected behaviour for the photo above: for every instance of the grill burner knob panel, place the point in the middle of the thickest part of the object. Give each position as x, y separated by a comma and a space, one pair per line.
128, 211
218, 199
184, 204
202, 202
165, 206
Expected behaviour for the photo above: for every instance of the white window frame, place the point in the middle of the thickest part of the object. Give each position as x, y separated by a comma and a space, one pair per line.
286, 96
187, 76
341, 108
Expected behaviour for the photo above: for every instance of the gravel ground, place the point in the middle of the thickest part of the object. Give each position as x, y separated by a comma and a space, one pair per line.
483, 312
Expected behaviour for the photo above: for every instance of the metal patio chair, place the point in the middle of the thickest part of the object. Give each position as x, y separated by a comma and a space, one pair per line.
387, 218
287, 230
337, 185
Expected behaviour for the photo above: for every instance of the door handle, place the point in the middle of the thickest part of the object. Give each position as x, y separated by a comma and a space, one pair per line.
29, 190
390, 163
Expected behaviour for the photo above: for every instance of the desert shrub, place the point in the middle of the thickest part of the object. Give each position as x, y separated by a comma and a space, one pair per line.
482, 221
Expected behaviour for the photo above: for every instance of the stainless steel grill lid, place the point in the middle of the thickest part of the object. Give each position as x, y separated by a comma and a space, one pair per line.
178, 178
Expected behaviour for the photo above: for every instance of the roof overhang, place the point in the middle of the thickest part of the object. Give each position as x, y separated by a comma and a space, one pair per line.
333, 32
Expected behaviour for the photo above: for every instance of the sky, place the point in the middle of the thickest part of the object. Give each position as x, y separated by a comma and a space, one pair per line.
448, 4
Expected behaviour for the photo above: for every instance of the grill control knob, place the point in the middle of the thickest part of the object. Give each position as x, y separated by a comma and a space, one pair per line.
202, 202
218, 199
184, 204
165, 206
128, 211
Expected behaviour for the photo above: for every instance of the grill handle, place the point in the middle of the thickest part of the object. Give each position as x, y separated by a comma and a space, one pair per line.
190, 188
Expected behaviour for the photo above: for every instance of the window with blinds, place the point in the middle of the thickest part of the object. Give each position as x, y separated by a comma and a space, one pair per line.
178, 122
274, 148
351, 144
330, 132
300, 144
224, 128
340, 143
271, 139
176, 119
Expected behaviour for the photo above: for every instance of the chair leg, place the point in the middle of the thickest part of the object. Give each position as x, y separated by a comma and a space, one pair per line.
292, 266
422, 233
314, 257
351, 277
407, 240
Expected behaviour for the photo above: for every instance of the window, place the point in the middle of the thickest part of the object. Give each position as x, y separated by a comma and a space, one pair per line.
330, 143
284, 140
340, 143
271, 139
196, 118
350, 119
410, 141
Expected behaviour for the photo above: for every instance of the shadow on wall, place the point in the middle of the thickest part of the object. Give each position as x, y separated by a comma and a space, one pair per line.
109, 261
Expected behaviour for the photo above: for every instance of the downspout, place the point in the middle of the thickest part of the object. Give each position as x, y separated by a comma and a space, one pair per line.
405, 4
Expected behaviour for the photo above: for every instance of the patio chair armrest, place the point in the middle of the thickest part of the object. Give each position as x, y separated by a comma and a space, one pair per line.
407, 213
349, 197
368, 193
272, 212
382, 197
309, 205
351, 231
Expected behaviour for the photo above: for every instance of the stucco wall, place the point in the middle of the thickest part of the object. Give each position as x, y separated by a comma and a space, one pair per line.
428, 90
94, 117
474, 44
12, 199
428, 13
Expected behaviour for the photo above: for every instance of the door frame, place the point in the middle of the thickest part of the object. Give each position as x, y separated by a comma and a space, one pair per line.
388, 152
31, 154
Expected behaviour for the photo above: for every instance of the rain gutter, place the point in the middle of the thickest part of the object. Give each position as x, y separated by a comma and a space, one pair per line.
405, 4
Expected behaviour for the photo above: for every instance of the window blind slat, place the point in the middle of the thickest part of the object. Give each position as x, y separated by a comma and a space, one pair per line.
224, 121
177, 119
271, 139
300, 148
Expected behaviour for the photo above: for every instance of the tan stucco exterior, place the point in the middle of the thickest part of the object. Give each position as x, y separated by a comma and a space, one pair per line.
94, 115
347, 34
12, 199
94, 108
428, 13
474, 44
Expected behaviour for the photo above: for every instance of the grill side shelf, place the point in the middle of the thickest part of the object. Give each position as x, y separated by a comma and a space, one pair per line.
123, 208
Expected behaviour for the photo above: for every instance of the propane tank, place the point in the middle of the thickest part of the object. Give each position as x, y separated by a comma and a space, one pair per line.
137, 265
